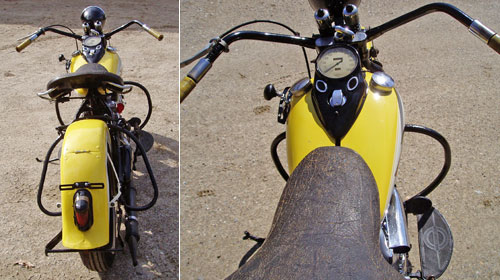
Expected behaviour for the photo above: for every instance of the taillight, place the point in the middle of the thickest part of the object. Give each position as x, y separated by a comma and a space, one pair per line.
82, 207
120, 107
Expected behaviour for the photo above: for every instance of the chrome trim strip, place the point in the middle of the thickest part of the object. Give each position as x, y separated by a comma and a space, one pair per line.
397, 225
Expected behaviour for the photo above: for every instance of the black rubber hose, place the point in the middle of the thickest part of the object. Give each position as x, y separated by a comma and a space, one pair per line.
58, 113
272, 22
148, 167
447, 155
42, 179
275, 157
148, 96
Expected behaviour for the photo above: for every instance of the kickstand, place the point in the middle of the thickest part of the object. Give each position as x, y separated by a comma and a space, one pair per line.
259, 241
52, 243
50, 160
254, 238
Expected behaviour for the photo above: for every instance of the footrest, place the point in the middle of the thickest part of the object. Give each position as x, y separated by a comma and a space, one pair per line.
435, 242
146, 140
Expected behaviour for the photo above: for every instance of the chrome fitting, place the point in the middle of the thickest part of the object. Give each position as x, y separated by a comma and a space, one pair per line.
200, 69
381, 83
342, 33
322, 17
338, 98
481, 31
86, 27
98, 25
396, 225
301, 87
351, 16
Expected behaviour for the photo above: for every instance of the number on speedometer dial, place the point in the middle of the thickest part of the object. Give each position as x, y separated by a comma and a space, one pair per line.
337, 62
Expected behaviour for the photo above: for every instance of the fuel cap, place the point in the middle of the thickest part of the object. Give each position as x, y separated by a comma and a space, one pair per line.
381, 82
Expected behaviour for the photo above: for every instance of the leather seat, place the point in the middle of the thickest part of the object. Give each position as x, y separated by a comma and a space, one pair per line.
326, 225
91, 75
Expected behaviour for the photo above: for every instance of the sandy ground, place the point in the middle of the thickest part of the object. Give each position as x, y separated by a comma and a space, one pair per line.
28, 130
445, 76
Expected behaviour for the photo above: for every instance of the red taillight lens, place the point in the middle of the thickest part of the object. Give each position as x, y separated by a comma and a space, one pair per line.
82, 206
82, 219
120, 107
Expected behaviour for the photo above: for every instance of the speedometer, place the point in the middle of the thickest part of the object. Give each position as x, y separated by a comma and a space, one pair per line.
337, 62
92, 41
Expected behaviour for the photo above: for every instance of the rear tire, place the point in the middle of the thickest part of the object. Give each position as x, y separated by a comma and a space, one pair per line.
97, 261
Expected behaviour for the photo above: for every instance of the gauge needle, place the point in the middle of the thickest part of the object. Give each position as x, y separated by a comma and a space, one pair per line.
328, 70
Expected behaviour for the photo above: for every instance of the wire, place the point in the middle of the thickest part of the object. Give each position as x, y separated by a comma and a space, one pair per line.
272, 22
70, 30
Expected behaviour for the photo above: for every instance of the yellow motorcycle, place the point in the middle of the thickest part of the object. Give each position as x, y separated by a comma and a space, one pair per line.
340, 215
99, 147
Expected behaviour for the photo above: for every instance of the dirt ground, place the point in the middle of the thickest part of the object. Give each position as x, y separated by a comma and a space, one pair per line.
28, 122
444, 74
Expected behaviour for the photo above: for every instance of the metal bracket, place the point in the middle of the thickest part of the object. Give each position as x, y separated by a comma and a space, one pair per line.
284, 107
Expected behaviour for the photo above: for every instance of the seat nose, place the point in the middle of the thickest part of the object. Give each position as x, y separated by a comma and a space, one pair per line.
326, 225
91, 75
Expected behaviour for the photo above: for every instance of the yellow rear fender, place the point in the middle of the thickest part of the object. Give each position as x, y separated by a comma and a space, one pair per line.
84, 160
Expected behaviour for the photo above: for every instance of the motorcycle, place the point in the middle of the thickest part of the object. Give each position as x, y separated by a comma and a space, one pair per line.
343, 126
99, 146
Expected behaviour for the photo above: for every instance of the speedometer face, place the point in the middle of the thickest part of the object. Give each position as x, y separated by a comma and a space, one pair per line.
92, 41
337, 62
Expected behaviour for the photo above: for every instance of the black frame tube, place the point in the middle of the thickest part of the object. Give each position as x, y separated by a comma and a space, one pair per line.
430, 8
42, 179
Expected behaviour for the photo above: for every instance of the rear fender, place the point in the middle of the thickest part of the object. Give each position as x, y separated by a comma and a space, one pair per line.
83, 159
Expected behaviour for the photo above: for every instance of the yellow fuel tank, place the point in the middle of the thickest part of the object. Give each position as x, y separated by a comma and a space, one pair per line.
111, 61
376, 135
83, 159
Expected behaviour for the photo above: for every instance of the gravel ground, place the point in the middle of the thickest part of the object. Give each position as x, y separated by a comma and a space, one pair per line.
28, 126
445, 76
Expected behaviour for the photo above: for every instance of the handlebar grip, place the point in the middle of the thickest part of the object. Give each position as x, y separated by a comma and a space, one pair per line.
24, 44
494, 43
187, 85
153, 32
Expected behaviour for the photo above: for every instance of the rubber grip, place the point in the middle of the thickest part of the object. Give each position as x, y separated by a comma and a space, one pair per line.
494, 43
187, 85
153, 32
23, 45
